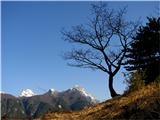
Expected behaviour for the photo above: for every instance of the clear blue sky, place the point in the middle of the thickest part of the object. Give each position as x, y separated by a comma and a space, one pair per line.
32, 45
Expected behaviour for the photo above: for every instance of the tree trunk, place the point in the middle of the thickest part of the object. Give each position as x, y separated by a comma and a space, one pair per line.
112, 91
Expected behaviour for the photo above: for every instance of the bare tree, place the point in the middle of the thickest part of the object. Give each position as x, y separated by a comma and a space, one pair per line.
104, 41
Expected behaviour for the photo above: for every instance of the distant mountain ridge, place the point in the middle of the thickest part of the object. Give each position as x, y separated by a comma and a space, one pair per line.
30, 105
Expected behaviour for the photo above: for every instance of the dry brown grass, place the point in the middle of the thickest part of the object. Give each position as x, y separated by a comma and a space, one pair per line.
127, 106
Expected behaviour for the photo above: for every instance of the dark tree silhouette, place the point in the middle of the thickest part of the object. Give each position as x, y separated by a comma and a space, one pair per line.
144, 52
103, 41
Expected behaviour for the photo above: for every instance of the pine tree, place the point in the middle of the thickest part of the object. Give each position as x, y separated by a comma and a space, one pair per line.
144, 52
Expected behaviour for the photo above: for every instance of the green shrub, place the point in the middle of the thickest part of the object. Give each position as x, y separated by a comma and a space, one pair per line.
135, 81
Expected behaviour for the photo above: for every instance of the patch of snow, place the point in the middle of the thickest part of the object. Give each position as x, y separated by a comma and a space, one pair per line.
60, 106
51, 91
22, 112
83, 91
1, 92
27, 93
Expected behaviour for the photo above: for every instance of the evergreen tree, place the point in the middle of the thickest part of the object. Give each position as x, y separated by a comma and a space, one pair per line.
144, 52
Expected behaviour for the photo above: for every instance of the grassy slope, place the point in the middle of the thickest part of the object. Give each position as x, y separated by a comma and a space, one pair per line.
142, 104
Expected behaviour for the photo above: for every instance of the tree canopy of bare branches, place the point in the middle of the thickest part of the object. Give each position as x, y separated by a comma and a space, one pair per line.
104, 41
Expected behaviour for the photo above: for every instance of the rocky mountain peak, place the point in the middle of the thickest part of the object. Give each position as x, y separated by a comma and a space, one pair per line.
27, 93
82, 91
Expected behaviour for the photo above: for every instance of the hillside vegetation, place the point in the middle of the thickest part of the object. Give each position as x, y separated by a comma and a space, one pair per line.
140, 104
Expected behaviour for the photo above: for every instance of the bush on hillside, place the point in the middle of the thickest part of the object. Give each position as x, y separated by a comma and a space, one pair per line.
135, 81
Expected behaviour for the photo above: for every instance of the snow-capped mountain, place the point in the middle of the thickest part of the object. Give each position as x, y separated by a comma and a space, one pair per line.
27, 93
82, 91
29, 104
